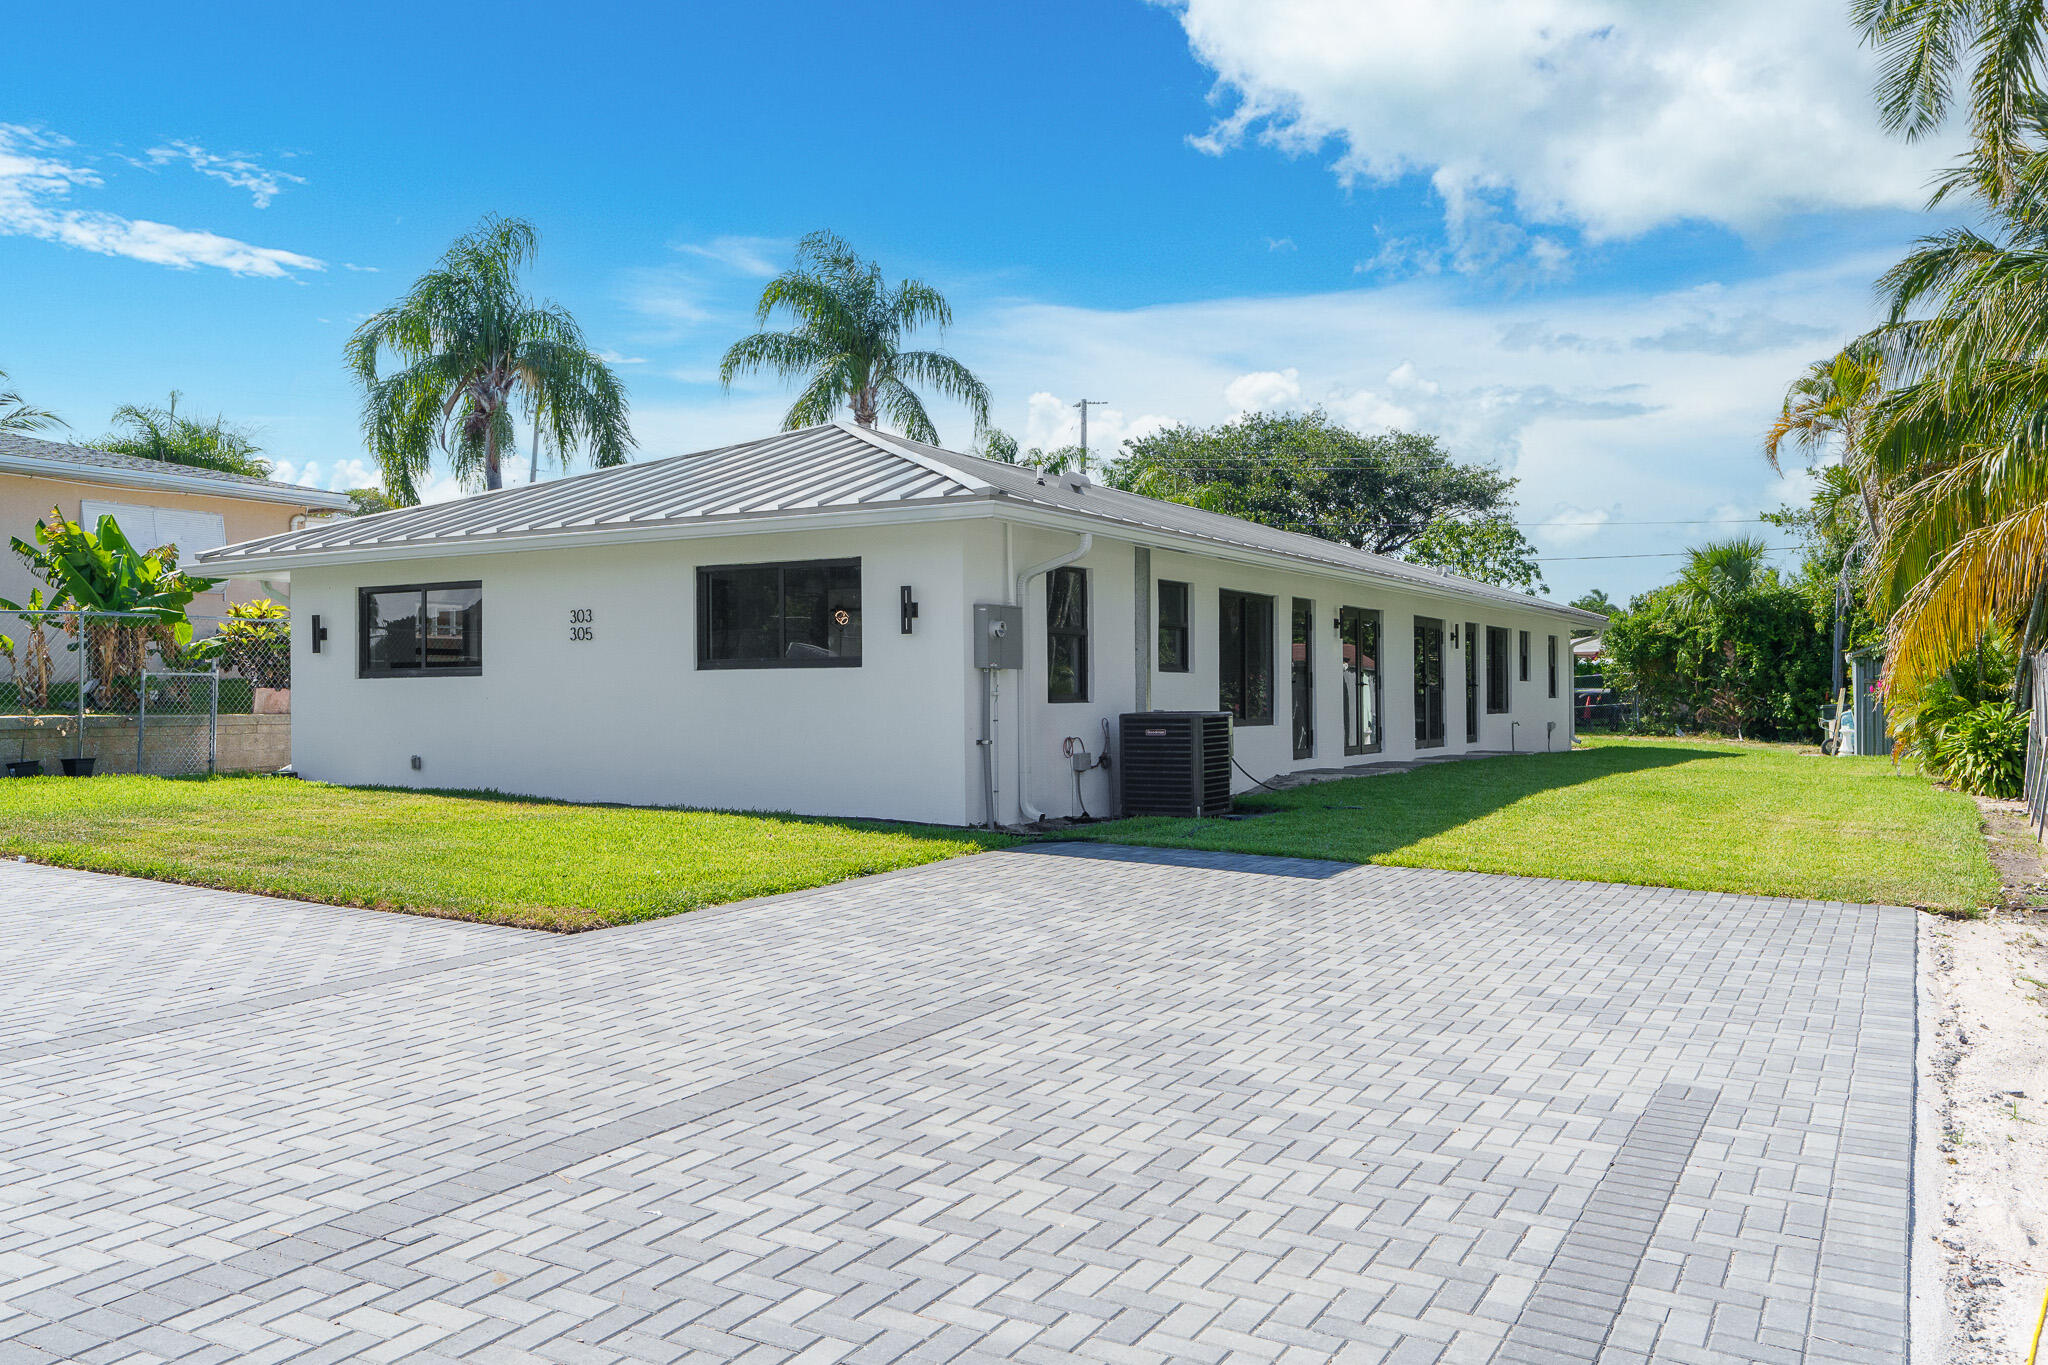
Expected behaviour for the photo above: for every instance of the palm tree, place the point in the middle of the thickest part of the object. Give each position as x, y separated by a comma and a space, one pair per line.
1717, 573
470, 346
163, 434
847, 343
17, 416
1829, 406
1962, 436
1922, 46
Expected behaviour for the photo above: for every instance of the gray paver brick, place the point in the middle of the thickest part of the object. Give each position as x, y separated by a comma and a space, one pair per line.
1102, 1105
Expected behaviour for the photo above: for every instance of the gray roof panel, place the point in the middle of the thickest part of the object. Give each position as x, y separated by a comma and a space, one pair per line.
817, 469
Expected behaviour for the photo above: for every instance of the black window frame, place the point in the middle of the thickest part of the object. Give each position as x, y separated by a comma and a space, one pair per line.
1248, 654
782, 567
1523, 644
1076, 634
1553, 668
1497, 690
1171, 588
367, 668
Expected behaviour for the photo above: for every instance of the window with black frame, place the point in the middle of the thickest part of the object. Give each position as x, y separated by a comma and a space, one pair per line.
1524, 642
797, 615
1066, 635
1174, 609
433, 630
1553, 667
1496, 669
1358, 630
1244, 634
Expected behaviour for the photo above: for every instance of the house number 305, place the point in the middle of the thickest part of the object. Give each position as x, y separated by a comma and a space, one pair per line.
579, 623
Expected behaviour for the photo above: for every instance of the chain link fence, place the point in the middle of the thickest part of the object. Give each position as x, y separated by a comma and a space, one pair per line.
97, 692
2036, 790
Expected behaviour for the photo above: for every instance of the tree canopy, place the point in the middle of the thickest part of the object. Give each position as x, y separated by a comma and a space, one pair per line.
1305, 472
1489, 549
847, 344
165, 434
469, 347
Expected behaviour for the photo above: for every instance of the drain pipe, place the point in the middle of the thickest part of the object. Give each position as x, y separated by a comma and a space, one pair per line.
1019, 587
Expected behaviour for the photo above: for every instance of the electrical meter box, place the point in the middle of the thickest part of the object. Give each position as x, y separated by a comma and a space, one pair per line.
998, 635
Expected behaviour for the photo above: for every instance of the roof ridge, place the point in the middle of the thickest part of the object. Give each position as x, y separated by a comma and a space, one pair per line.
882, 440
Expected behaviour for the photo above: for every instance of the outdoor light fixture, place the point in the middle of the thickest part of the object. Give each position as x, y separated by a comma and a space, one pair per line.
319, 633
909, 610
1454, 637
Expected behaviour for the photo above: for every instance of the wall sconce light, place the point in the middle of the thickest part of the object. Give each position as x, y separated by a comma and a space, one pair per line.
319, 634
909, 610
1454, 637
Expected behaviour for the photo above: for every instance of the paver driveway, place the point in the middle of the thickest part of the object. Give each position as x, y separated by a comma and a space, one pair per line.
1112, 1105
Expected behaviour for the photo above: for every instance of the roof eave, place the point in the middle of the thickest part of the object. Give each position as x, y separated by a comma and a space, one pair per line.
75, 471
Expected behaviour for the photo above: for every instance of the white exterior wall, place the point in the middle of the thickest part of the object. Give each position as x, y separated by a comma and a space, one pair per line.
1261, 750
629, 717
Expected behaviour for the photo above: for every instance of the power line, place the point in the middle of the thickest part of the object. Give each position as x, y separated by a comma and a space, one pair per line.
1658, 554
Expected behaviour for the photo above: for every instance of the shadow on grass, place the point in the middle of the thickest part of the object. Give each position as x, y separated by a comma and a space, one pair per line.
1270, 865
1360, 819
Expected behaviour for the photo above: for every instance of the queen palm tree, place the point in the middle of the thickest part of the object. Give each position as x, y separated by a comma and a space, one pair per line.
17, 416
1827, 410
847, 343
166, 434
470, 347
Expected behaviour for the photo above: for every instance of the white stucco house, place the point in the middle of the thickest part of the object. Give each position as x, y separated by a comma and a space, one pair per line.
789, 624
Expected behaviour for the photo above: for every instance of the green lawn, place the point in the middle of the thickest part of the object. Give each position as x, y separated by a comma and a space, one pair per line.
465, 855
1753, 818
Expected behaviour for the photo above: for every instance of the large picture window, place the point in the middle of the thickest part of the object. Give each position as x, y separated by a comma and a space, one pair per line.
1066, 635
1496, 669
422, 630
1173, 626
1244, 634
802, 615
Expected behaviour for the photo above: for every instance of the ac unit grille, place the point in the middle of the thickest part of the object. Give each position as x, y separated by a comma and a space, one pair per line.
1175, 762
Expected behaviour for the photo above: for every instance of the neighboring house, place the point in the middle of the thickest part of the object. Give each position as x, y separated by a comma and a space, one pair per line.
155, 503
789, 624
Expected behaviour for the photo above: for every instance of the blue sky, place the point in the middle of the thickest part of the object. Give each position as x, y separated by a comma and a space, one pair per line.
1587, 240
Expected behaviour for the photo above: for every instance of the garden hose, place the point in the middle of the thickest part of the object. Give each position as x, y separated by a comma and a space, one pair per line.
2035, 1349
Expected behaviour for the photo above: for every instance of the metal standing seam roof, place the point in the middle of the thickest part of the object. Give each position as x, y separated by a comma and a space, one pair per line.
832, 467
28, 455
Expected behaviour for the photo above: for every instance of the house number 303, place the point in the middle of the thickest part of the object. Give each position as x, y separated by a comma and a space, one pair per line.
580, 627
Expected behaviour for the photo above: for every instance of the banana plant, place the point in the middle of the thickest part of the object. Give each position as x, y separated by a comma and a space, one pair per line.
103, 571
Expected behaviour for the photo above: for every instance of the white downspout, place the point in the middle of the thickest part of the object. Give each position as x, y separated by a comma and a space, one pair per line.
1031, 813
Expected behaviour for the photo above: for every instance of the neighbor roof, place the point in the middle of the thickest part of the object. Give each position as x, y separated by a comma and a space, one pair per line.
834, 469
54, 459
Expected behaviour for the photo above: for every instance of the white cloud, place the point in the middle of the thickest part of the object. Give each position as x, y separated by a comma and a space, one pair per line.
1053, 422
611, 357
1263, 390
239, 171
1280, 244
1567, 524
1610, 117
37, 179
1553, 390
748, 255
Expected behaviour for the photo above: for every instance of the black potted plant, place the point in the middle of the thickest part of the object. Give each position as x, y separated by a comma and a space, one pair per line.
77, 767
25, 767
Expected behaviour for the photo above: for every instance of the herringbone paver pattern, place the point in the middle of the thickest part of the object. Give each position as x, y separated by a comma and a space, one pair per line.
1108, 1105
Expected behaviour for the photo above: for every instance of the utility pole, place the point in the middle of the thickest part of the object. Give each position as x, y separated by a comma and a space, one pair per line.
1082, 406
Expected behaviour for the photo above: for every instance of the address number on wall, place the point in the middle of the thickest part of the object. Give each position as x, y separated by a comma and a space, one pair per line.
580, 627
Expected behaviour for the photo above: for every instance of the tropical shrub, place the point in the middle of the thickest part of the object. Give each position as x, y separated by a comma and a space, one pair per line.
1749, 663
1983, 750
141, 595
255, 641
1918, 714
